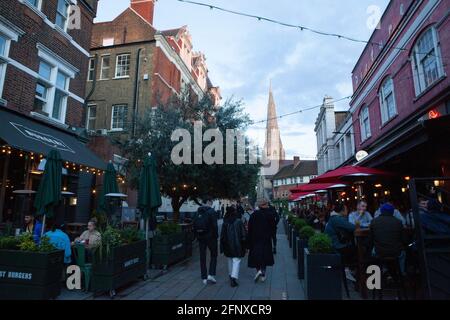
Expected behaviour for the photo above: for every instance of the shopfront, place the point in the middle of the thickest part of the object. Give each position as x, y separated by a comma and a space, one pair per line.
24, 143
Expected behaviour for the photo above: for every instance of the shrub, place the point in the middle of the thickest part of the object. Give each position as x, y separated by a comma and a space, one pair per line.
290, 218
320, 243
9, 243
307, 232
168, 228
26, 243
46, 246
130, 235
299, 224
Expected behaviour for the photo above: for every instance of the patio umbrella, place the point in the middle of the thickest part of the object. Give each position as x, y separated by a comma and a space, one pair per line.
49, 192
349, 173
109, 186
149, 197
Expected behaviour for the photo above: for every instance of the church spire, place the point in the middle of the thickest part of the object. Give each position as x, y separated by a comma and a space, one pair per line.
273, 145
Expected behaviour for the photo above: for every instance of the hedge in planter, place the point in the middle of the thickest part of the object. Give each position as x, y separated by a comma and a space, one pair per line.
302, 243
168, 245
119, 261
28, 271
322, 270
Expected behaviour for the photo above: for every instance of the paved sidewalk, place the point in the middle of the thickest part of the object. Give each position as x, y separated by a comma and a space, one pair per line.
183, 282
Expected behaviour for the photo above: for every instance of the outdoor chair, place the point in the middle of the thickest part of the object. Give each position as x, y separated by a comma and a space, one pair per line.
392, 266
86, 268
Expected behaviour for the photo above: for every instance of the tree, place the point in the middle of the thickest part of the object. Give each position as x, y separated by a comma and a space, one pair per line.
190, 181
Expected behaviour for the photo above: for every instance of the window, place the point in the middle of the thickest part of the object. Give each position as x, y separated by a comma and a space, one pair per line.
35, 3
104, 72
427, 62
62, 13
91, 69
4, 49
119, 117
51, 92
123, 66
365, 123
387, 101
91, 117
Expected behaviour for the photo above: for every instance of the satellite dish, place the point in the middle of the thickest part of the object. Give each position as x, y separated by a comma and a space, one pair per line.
361, 155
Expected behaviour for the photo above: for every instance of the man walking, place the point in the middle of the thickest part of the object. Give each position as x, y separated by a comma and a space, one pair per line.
206, 231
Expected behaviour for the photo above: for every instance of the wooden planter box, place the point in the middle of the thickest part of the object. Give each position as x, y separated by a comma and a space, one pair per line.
294, 243
290, 235
30, 275
301, 245
168, 249
323, 276
126, 264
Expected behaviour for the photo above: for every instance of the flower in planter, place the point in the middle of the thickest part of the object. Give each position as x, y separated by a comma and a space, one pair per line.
320, 244
306, 232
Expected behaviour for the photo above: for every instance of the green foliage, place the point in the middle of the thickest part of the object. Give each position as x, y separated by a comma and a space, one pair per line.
290, 218
320, 243
299, 224
169, 228
9, 243
26, 243
102, 219
46, 246
130, 235
307, 232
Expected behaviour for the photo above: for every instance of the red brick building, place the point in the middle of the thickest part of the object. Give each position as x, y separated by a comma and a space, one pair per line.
401, 102
44, 54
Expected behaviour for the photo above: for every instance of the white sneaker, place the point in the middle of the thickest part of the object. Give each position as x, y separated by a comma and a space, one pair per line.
349, 275
258, 274
263, 279
205, 282
212, 279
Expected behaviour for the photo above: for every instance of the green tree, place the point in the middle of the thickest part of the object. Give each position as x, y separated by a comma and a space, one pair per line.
190, 181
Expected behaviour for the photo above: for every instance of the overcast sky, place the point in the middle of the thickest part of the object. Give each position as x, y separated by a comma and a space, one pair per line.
244, 54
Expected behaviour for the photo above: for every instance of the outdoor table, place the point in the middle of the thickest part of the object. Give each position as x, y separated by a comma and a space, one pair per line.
361, 236
75, 229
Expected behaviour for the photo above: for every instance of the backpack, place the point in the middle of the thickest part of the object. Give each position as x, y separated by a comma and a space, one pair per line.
201, 221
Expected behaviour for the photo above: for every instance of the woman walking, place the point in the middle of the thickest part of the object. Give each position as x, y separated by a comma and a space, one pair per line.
261, 228
232, 243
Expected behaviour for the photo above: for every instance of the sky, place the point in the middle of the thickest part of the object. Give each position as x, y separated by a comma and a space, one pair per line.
244, 55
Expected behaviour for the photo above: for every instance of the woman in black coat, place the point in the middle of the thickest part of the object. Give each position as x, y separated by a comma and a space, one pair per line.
232, 243
261, 228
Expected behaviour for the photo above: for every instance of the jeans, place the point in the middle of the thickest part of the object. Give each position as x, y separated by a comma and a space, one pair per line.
210, 244
233, 267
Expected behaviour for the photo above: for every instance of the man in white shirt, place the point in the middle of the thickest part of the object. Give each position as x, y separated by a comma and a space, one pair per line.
361, 216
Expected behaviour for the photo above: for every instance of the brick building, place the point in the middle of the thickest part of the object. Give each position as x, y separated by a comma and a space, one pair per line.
401, 101
44, 54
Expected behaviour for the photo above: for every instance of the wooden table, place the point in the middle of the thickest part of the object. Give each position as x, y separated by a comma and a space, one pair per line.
361, 235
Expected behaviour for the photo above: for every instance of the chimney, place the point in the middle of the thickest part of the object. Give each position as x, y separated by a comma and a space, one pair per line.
296, 161
144, 8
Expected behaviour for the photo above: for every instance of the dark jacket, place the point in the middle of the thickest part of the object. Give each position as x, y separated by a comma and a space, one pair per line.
261, 228
213, 230
388, 236
340, 231
232, 238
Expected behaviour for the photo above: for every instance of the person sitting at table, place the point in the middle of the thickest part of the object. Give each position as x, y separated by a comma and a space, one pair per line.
33, 226
388, 236
341, 232
361, 216
434, 220
60, 240
397, 213
91, 237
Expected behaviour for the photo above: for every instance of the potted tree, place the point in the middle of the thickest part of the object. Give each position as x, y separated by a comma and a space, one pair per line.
168, 245
298, 225
322, 270
302, 242
119, 260
29, 271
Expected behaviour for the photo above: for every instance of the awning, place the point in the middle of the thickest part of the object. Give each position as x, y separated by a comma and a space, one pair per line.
314, 187
34, 136
350, 172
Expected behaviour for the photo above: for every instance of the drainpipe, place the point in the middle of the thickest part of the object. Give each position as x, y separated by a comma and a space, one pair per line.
136, 92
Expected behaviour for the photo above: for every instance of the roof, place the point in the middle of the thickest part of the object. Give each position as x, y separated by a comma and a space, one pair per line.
304, 168
171, 32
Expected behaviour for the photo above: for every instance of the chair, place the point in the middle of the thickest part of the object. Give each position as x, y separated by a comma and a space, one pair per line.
392, 265
86, 268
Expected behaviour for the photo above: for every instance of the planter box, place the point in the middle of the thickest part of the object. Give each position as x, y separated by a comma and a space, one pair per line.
323, 276
294, 244
290, 235
126, 264
188, 238
168, 249
30, 275
301, 245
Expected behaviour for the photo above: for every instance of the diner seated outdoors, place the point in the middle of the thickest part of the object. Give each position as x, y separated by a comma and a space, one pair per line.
91, 238
33, 226
59, 239
361, 216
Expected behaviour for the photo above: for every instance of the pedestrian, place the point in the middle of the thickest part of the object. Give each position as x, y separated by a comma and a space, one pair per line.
276, 218
260, 232
240, 209
206, 231
232, 243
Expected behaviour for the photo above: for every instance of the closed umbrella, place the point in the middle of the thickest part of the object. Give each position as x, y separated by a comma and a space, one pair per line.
149, 197
49, 192
109, 186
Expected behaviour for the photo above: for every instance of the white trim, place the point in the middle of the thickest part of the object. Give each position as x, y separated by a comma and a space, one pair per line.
117, 65
166, 83
52, 58
101, 67
384, 109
